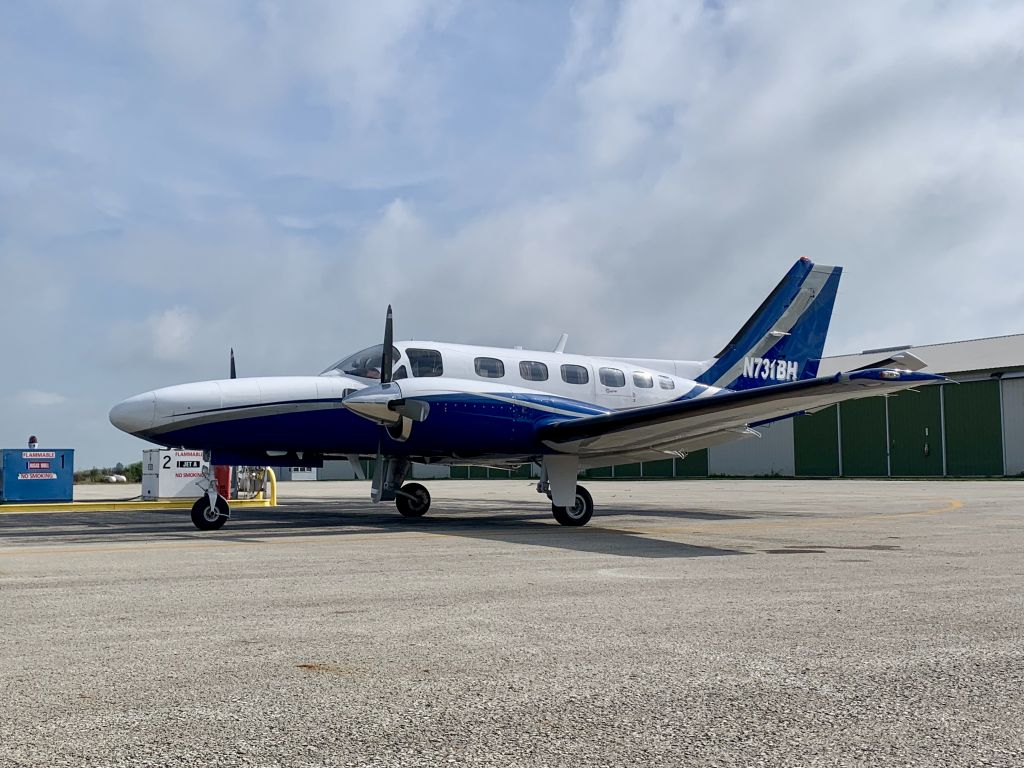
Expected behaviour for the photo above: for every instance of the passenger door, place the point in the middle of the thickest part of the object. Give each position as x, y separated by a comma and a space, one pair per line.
613, 389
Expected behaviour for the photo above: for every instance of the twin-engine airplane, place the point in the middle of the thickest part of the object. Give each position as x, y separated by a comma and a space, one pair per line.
440, 403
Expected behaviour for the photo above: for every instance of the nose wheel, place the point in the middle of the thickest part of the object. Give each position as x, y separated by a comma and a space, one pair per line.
412, 500
207, 517
578, 514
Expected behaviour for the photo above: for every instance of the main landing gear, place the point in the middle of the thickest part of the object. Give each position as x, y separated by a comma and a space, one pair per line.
578, 514
571, 504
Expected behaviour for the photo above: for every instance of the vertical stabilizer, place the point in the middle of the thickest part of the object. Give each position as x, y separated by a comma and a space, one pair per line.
784, 339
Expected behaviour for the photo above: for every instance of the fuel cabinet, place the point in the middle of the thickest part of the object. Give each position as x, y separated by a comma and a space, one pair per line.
28, 475
173, 474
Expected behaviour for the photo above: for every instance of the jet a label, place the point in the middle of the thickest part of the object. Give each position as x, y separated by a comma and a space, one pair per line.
776, 370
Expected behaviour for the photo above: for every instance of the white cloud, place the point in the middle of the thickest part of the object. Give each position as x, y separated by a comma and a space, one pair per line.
37, 398
173, 334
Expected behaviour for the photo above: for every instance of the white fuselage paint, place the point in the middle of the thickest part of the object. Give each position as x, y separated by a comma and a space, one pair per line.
459, 363
205, 401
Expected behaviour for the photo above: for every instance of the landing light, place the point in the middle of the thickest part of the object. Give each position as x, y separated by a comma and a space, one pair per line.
890, 374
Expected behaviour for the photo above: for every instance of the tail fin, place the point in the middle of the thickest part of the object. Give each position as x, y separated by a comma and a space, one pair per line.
783, 340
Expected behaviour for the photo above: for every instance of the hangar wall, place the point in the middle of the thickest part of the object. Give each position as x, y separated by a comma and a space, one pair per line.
1013, 425
955, 430
771, 454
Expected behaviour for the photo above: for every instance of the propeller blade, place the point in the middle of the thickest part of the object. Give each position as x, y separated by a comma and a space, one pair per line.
234, 374
387, 361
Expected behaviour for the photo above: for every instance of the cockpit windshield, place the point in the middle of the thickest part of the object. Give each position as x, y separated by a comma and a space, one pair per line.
364, 364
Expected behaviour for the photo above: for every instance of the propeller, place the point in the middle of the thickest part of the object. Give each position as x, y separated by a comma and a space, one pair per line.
234, 374
387, 358
386, 405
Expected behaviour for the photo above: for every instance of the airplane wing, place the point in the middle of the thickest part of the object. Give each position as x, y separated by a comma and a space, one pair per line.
692, 423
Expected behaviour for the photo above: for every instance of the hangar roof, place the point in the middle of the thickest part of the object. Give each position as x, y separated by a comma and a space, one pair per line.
991, 355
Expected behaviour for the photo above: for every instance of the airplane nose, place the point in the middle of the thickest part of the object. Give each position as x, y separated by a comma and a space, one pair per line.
136, 414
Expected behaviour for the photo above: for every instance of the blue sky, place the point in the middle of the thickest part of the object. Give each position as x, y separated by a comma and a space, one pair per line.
178, 178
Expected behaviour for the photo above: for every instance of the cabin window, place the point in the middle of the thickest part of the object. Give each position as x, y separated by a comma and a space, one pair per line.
489, 367
666, 382
575, 374
531, 370
642, 380
612, 377
401, 373
424, 362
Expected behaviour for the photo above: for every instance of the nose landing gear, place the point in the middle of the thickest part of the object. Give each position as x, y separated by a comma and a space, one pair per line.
207, 516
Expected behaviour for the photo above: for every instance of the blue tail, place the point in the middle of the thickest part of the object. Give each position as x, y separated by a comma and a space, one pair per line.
783, 340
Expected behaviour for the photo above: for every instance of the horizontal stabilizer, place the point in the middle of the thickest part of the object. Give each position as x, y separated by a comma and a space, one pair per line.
905, 361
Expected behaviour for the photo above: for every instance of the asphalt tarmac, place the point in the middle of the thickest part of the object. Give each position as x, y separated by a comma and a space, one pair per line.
705, 622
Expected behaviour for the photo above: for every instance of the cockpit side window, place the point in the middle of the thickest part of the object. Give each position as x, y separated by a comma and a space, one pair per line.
401, 373
364, 364
425, 362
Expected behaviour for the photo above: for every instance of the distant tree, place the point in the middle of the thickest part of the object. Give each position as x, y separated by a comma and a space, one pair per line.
119, 469
133, 472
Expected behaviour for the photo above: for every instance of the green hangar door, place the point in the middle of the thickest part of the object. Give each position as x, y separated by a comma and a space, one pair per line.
915, 433
816, 443
862, 423
974, 434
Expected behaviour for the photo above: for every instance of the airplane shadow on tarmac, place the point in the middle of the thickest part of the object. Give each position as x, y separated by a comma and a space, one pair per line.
524, 525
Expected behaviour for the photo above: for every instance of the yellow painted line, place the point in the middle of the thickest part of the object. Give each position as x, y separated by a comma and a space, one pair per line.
952, 505
117, 506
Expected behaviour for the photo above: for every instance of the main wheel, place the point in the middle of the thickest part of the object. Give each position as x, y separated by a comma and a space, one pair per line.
578, 514
413, 500
207, 518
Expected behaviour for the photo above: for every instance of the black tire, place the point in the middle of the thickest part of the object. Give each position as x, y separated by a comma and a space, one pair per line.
206, 518
579, 514
416, 506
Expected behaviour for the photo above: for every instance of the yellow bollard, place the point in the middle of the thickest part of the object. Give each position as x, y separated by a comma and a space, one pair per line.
272, 478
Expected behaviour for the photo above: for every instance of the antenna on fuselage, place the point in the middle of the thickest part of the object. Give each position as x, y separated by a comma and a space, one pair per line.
560, 346
234, 374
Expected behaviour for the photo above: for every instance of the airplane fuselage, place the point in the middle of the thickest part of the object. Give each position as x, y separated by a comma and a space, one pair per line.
484, 402
452, 403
